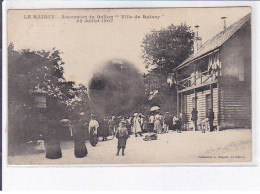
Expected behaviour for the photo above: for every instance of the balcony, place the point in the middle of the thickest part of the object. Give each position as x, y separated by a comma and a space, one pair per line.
197, 80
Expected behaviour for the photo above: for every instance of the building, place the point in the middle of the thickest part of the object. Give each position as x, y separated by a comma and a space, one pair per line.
218, 76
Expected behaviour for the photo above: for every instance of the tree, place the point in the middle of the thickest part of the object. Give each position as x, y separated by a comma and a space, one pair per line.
80, 103
162, 51
27, 71
165, 49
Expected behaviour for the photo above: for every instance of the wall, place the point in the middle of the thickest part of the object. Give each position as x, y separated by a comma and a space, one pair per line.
235, 56
235, 105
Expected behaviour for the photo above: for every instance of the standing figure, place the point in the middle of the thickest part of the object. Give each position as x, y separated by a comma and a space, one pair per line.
80, 149
93, 127
171, 122
40, 144
111, 126
122, 136
151, 122
167, 121
117, 121
157, 124
132, 124
105, 129
137, 125
211, 119
141, 120
145, 125
204, 125
174, 123
179, 123
194, 118
128, 125
52, 141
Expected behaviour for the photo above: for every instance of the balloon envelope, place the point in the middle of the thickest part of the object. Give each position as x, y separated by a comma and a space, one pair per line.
116, 89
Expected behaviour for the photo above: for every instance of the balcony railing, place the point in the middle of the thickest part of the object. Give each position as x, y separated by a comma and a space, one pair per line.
197, 79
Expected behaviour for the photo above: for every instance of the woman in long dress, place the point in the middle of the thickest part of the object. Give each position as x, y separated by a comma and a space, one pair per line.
93, 128
52, 141
157, 124
80, 149
137, 125
105, 129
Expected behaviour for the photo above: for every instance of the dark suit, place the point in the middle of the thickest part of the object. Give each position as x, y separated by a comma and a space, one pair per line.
211, 120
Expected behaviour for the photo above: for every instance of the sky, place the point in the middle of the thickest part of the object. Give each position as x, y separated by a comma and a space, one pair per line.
86, 45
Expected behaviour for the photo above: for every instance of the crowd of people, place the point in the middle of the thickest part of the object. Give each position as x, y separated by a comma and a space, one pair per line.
136, 125
122, 127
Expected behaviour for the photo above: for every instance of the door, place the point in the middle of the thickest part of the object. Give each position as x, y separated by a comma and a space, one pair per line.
208, 104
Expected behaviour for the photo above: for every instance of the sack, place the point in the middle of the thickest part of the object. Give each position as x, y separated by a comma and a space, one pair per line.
150, 137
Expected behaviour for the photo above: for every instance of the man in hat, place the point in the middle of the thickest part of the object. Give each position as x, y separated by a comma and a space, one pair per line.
122, 136
211, 120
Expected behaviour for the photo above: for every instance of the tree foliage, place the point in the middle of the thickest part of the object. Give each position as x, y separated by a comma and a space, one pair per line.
165, 49
29, 70
162, 51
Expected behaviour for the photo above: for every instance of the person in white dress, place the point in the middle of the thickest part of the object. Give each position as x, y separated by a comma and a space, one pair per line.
137, 125
93, 127
93, 123
158, 124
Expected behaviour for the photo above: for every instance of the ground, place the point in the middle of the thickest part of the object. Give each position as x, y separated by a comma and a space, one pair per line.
171, 148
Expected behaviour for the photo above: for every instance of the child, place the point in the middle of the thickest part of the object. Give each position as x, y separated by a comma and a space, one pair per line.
121, 135
40, 145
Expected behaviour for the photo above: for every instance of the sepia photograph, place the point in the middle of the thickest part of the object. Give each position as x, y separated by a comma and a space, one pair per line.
135, 86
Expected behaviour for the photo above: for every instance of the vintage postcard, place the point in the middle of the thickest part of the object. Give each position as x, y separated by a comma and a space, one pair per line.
129, 86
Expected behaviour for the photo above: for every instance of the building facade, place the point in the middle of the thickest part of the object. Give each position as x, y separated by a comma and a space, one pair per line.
218, 76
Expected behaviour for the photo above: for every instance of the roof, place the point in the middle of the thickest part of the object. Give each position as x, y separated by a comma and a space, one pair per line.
218, 40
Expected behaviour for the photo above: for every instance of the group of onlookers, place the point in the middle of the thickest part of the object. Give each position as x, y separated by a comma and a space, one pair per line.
121, 127
163, 123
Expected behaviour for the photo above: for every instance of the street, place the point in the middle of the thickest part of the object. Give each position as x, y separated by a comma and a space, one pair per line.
171, 148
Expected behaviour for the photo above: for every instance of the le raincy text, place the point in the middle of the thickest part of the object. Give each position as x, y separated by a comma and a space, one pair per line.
38, 16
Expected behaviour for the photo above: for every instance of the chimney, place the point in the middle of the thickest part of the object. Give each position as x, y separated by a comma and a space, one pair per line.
224, 19
198, 40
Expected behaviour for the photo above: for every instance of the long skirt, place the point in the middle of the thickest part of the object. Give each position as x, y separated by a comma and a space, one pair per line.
53, 150
93, 138
137, 128
132, 129
150, 127
121, 142
105, 131
158, 126
111, 130
80, 149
